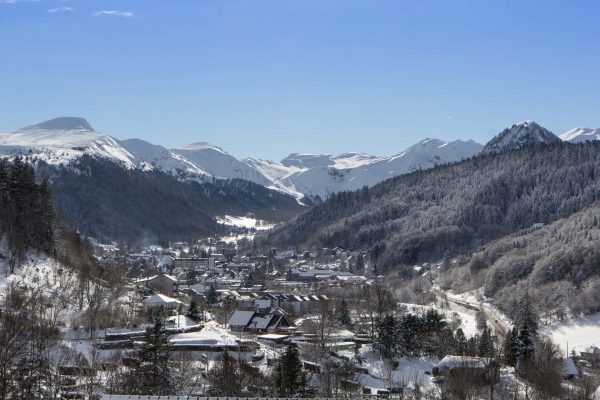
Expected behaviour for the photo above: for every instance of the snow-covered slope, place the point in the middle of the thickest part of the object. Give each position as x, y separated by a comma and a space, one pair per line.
62, 140
322, 175
218, 163
526, 133
150, 156
579, 135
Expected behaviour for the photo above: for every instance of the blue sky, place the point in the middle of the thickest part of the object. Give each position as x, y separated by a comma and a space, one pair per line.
264, 78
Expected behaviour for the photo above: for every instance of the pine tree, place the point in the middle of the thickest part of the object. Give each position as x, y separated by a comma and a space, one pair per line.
386, 336
525, 345
510, 348
525, 315
154, 375
193, 311
289, 375
485, 343
212, 297
360, 265
344, 314
461, 342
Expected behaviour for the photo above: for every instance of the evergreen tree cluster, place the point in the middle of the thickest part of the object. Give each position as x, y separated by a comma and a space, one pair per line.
557, 264
519, 344
414, 335
27, 214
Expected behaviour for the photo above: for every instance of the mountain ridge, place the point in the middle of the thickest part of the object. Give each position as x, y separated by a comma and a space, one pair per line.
304, 176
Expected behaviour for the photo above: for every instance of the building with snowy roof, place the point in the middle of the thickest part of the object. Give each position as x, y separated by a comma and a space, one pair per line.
473, 369
161, 301
271, 322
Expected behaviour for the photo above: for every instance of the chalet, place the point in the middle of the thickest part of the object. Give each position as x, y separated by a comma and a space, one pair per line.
252, 321
162, 283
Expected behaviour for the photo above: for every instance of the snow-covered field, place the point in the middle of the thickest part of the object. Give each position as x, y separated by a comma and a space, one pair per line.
211, 333
244, 222
578, 333
410, 371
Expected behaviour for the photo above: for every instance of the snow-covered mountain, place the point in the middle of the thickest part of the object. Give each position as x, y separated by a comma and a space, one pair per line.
218, 163
149, 156
526, 133
62, 140
579, 135
322, 175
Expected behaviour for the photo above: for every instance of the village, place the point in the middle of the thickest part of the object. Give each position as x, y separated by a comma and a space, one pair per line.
330, 305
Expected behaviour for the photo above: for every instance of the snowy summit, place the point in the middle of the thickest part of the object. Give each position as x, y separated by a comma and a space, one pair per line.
523, 134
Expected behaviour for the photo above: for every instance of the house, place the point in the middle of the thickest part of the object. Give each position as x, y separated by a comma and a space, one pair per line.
271, 322
161, 301
569, 370
162, 283
240, 320
474, 369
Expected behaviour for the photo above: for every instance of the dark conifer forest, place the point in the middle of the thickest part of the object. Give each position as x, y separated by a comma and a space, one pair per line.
27, 215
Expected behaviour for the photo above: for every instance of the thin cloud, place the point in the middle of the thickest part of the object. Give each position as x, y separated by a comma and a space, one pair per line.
113, 13
61, 9
16, 1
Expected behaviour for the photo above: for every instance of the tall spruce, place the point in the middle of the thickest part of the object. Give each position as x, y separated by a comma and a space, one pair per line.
344, 317
289, 375
510, 348
154, 375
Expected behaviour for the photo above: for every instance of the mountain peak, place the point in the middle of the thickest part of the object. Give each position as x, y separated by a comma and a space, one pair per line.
522, 134
63, 123
202, 146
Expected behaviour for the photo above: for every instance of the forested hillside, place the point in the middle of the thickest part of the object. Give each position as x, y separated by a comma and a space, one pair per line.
558, 265
104, 200
29, 221
452, 209
27, 217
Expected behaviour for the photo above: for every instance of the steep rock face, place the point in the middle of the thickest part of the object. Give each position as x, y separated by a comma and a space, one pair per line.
523, 134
